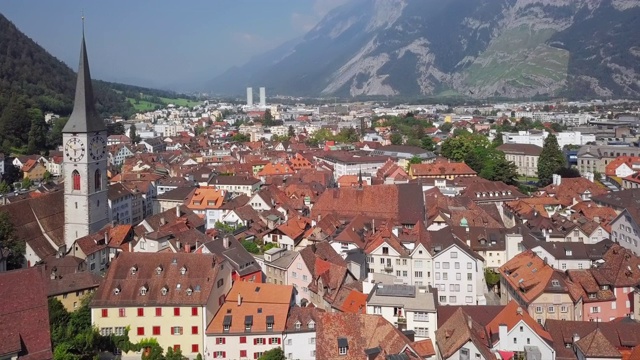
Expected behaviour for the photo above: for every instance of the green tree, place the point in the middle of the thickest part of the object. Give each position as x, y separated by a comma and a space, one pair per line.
497, 141
8, 239
267, 119
498, 168
240, 137
173, 354
269, 245
55, 134
46, 177
396, 139
456, 148
153, 351
12, 174
26, 183
251, 247
491, 277
273, 354
348, 135
37, 135
4, 188
427, 143
551, 160
133, 134
557, 127
199, 357
58, 320
415, 159
446, 127
291, 131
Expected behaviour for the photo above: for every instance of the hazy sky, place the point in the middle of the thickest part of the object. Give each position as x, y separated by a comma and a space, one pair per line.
163, 43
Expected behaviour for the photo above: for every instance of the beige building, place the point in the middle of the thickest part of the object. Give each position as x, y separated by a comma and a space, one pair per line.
277, 262
71, 289
524, 156
544, 292
596, 158
167, 296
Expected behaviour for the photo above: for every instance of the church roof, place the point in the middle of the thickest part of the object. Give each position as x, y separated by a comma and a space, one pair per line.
84, 117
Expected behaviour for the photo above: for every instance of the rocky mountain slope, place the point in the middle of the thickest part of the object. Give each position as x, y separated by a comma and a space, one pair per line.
480, 48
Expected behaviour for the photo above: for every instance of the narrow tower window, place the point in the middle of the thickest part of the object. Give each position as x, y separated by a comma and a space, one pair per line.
75, 175
98, 180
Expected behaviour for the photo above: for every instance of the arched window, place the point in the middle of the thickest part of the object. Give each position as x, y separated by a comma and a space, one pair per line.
98, 180
75, 176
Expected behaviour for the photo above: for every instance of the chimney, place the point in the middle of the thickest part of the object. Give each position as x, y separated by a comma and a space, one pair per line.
576, 338
502, 332
162, 222
239, 299
469, 322
225, 242
519, 311
54, 273
178, 211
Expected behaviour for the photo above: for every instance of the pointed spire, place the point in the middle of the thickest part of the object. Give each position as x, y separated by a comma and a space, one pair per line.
84, 117
360, 179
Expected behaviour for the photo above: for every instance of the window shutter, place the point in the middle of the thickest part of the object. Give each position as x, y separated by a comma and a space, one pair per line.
224, 341
255, 341
224, 354
255, 355
264, 340
279, 341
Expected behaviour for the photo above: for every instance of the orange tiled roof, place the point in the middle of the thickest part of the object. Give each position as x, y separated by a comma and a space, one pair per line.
441, 169
271, 169
206, 197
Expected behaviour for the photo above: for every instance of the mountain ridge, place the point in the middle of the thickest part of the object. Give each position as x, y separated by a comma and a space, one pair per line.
482, 49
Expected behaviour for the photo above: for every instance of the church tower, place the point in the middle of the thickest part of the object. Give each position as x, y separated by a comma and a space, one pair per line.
84, 139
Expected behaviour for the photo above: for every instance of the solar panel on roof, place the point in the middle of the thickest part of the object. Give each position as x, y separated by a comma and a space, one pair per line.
396, 290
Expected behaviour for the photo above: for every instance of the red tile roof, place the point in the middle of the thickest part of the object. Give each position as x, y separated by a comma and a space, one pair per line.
361, 332
441, 169
24, 314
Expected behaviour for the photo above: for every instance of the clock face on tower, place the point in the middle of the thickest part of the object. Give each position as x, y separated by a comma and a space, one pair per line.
97, 147
74, 149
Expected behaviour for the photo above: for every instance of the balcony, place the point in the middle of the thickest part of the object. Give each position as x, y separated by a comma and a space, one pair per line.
420, 317
388, 268
401, 320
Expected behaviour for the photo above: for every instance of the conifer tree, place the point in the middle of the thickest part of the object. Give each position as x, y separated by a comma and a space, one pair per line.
551, 160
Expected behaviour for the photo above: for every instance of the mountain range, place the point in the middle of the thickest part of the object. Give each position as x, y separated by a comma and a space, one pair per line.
479, 48
32, 78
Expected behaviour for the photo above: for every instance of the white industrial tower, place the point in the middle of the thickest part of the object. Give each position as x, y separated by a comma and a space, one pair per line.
263, 97
249, 96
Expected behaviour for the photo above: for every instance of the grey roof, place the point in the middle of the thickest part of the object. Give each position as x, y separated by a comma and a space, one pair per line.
285, 260
178, 194
84, 118
400, 295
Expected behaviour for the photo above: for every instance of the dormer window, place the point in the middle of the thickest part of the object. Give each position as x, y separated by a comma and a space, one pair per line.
343, 346
555, 283
116, 291
134, 269
270, 321
604, 287
183, 270
311, 325
189, 291
592, 295
164, 290
159, 270
143, 290
568, 252
298, 324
